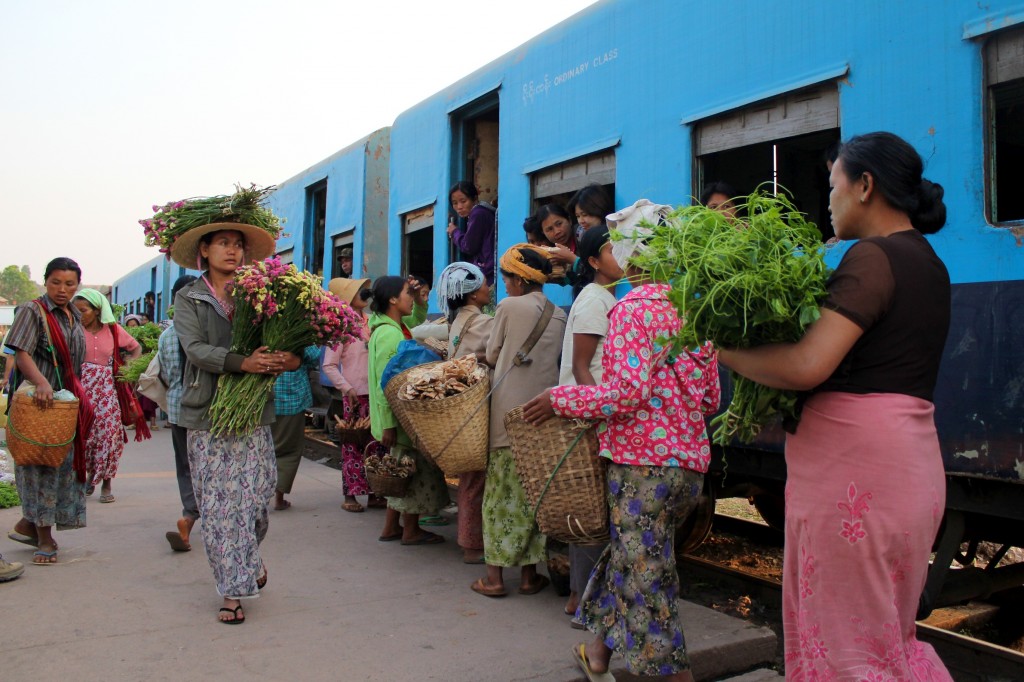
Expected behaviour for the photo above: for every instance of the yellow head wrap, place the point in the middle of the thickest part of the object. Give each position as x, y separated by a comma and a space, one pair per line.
512, 262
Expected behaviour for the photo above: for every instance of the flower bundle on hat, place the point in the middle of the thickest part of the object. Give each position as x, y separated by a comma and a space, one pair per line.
178, 227
631, 227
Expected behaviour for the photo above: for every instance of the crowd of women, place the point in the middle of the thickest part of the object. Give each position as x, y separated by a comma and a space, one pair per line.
857, 535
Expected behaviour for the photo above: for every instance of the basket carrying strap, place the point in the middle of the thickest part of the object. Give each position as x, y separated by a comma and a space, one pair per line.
538, 331
582, 535
49, 340
458, 337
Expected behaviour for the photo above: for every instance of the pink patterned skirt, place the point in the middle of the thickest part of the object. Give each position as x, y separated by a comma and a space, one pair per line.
353, 476
105, 445
864, 497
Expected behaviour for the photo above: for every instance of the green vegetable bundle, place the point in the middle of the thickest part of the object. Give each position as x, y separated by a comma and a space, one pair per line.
8, 496
131, 371
148, 335
741, 283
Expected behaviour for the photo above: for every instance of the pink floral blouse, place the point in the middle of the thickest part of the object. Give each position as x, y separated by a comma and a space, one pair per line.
651, 405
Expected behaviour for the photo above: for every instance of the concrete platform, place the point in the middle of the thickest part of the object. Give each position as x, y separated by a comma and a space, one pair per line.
339, 605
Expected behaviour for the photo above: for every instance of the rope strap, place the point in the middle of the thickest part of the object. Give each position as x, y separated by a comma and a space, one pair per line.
558, 466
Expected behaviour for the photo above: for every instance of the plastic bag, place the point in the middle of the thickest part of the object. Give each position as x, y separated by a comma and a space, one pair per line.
409, 354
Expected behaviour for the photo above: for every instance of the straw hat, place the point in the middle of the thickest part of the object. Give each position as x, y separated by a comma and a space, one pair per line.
258, 242
345, 288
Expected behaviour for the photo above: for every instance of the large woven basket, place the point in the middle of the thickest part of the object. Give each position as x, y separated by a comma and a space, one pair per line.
40, 437
381, 485
566, 491
450, 431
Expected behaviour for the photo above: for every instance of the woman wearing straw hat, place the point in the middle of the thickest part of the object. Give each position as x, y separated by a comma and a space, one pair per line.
104, 339
233, 476
347, 366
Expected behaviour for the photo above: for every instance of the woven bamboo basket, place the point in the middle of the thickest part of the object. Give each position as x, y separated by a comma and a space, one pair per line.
566, 491
450, 431
386, 486
346, 433
38, 437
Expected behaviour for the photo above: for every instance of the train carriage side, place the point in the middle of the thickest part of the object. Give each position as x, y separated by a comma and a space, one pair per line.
336, 205
653, 99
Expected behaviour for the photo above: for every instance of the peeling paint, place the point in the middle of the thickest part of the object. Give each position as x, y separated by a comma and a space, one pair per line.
1018, 233
967, 454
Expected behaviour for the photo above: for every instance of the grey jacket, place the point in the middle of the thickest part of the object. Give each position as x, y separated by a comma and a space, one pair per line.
204, 330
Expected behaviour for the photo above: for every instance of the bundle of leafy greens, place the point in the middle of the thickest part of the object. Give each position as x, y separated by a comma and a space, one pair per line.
741, 282
133, 369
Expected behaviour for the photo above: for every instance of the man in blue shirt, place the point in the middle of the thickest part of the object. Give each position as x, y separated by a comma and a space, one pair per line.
292, 397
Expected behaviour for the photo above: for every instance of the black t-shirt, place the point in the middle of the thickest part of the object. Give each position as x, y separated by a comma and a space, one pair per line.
897, 290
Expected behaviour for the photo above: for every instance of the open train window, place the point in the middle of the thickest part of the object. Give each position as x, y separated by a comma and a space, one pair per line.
558, 183
418, 243
343, 250
1004, 126
782, 141
287, 256
475, 130
316, 227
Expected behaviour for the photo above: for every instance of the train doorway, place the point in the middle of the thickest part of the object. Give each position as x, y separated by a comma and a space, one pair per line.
418, 243
475, 157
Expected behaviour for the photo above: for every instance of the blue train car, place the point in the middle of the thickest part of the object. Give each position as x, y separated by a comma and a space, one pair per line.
157, 275
333, 206
655, 98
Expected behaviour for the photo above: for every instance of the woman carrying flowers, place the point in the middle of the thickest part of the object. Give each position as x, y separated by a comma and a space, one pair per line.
104, 339
397, 303
651, 406
234, 475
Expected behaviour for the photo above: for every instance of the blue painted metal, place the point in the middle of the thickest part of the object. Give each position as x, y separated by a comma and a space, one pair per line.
157, 275
357, 199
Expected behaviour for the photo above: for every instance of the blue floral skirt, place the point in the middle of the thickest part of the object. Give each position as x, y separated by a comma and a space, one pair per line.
630, 600
52, 496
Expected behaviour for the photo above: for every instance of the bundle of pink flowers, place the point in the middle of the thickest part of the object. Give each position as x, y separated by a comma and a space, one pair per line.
279, 307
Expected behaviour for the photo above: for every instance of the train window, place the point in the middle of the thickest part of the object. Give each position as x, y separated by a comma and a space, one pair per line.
781, 141
287, 256
316, 227
556, 184
418, 243
1004, 76
343, 251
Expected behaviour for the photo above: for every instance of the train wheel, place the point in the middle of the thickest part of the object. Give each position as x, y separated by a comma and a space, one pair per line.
772, 508
697, 526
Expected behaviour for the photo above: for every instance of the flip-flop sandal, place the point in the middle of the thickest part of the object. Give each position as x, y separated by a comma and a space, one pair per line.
390, 538
23, 539
107, 499
577, 624
177, 543
285, 504
480, 587
477, 561
239, 615
579, 654
45, 555
353, 507
426, 539
542, 582
261, 581
434, 521
90, 490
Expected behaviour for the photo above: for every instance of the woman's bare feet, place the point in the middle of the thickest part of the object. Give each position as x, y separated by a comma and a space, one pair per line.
231, 613
280, 504
598, 655
29, 530
572, 604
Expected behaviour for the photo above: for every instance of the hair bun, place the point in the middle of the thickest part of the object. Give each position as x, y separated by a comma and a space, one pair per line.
930, 215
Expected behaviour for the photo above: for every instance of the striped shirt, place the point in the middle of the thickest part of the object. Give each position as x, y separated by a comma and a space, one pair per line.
28, 334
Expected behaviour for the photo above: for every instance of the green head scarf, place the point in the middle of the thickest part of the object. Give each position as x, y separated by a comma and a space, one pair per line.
99, 302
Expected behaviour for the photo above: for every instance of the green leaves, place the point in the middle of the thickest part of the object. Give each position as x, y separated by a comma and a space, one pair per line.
741, 283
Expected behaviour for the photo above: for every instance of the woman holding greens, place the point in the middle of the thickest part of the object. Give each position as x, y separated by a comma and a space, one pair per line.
865, 488
233, 475
104, 341
650, 405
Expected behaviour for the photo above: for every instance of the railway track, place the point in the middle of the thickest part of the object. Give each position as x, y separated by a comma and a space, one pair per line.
968, 659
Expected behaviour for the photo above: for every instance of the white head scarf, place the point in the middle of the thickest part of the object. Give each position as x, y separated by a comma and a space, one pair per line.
627, 223
458, 279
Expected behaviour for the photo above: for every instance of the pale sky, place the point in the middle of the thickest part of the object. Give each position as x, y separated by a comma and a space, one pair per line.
108, 107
